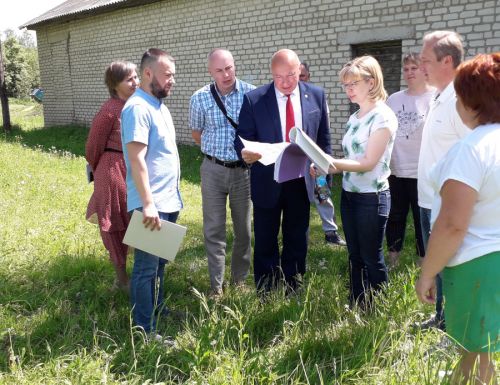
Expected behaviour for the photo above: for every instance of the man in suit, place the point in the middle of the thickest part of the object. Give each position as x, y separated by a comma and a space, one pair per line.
267, 114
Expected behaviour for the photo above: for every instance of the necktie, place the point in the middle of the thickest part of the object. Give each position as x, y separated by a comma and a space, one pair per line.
290, 118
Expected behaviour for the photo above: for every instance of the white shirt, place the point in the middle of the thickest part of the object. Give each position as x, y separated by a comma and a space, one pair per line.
411, 111
297, 109
442, 129
474, 161
355, 141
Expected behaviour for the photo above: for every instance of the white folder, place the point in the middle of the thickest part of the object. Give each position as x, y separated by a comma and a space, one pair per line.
321, 160
163, 243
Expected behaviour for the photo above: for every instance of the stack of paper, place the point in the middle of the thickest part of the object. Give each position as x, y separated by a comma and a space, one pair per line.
291, 158
321, 160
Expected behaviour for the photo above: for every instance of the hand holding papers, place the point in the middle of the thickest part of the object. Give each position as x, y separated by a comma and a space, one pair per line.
292, 162
163, 243
291, 158
322, 160
150, 217
269, 151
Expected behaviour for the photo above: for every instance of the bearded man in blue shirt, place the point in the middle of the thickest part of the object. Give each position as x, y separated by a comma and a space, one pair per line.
153, 175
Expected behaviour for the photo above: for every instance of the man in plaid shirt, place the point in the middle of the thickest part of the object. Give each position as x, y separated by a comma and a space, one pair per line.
222, 173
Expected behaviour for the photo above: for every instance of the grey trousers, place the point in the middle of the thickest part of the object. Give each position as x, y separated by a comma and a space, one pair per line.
327, 214
217, 183
326, 210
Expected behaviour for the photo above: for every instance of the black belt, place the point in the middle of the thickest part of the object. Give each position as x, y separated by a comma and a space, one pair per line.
234, 164
112, 150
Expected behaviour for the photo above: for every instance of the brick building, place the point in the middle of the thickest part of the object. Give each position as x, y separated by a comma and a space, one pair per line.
77, 39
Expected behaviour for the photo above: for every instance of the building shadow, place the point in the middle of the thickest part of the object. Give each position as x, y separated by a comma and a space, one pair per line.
64, 139
71, 140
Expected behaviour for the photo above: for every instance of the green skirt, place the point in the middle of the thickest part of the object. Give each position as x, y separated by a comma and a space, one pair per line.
472, 307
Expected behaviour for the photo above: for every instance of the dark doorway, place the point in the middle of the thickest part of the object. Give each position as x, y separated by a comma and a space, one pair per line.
388, 54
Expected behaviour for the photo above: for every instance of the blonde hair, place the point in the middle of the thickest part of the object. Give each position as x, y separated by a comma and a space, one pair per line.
411, 57
366, 67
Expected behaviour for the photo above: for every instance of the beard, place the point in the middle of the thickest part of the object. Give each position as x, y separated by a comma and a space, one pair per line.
157, 91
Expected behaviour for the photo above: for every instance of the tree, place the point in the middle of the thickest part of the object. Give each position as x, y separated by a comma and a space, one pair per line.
26, 39
16, 69
22, 73
33, 67
3, 95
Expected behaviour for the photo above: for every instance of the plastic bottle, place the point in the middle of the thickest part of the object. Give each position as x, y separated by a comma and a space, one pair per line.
321, 189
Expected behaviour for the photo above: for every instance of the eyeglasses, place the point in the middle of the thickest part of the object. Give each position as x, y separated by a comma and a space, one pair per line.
350, 85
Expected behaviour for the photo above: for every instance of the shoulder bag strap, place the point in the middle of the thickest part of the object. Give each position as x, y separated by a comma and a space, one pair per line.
221, 105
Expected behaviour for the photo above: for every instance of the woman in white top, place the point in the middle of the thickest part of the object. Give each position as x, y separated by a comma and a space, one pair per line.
366, 200
465, 237
411, 107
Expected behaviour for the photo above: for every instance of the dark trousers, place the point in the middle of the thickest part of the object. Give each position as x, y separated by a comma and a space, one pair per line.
291, 213
404, 195
425, 221
364, 217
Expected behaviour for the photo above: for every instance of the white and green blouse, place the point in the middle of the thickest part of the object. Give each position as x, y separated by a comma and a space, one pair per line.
354, 143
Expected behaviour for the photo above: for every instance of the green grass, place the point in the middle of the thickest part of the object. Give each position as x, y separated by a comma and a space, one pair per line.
61, 324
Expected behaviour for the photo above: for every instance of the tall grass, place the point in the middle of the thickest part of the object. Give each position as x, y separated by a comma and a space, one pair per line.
61, 324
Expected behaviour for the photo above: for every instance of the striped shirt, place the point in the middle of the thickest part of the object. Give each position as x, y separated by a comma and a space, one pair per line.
217, 134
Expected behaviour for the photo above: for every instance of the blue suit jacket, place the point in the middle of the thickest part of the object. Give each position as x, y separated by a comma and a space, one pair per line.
259, 120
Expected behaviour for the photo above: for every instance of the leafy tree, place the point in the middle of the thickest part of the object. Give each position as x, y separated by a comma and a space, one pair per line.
33, 66
22, 73
9, 33
26, 39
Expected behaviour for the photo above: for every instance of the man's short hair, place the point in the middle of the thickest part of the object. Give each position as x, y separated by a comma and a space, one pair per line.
306, 66
153, 55
215, 50
446, 43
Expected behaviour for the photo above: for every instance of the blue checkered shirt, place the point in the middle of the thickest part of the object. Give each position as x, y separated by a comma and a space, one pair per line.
217, 134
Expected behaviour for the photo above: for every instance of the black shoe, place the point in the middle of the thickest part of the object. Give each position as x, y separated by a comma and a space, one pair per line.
174, 315
432, 323
334, 238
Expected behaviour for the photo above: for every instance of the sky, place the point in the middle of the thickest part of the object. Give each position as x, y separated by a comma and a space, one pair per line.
13, 13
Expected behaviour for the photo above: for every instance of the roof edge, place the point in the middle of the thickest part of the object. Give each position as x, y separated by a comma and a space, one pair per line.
53, 15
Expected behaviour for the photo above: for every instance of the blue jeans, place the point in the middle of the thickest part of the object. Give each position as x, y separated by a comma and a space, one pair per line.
364, 216
146, 284
425, 222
